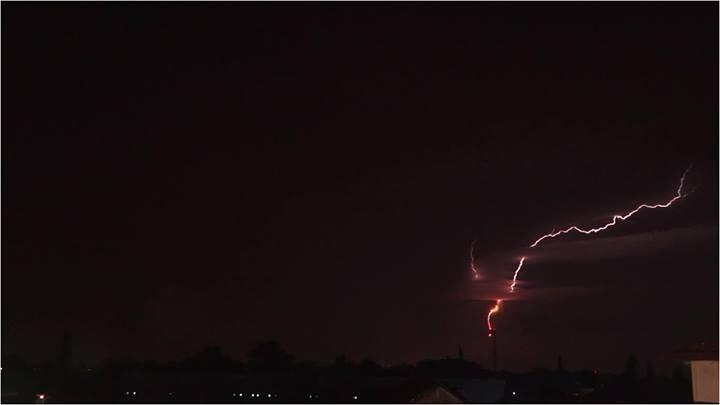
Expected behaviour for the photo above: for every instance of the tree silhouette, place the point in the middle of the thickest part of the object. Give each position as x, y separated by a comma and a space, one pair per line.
631, 366
650, 370
340, 361
369, 367
269, 356
212, 358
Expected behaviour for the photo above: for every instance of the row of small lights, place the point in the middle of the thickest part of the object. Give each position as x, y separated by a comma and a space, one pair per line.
254, 395
310, 396
239, 395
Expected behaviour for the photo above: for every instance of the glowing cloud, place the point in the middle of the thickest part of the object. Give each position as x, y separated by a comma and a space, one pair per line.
615, 220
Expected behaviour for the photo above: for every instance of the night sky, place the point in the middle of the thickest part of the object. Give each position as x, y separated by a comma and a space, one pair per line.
181, 175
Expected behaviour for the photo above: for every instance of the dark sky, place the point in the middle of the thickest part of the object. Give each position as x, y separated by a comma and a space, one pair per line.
179, 175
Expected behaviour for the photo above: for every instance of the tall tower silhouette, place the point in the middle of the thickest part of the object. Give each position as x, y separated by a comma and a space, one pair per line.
65, 355
492, 334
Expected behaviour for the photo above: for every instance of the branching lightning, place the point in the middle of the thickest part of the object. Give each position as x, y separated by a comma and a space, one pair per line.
615, 220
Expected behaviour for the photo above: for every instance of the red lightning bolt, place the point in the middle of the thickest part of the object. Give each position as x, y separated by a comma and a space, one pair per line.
493, 310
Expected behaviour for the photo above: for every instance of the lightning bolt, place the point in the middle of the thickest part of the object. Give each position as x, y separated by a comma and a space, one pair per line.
473, 267
517, 270
492, 312
615, 220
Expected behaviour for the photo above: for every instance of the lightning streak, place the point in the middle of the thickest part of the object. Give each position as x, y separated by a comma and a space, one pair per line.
473, 267
617, 218
517, 270
492, 312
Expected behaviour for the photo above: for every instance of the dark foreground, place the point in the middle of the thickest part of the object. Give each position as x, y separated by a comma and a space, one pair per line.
211, 378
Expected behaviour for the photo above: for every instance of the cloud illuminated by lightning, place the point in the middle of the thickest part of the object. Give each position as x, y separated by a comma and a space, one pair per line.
615, 220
